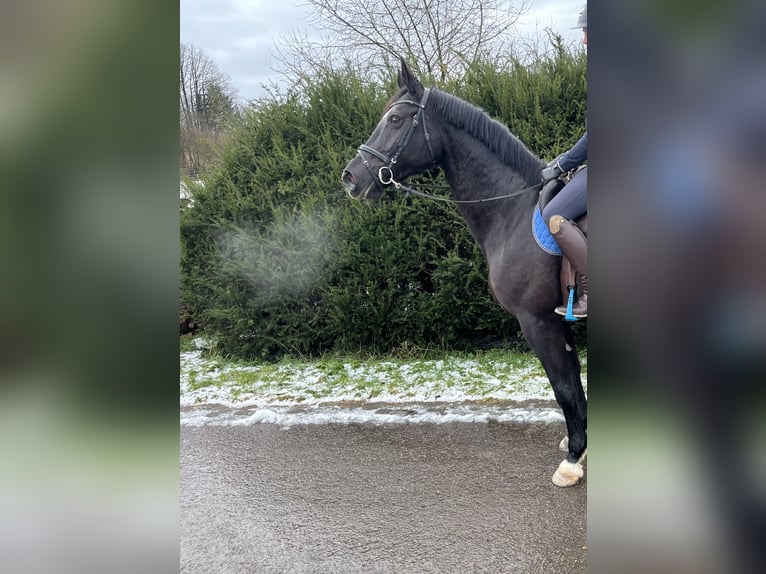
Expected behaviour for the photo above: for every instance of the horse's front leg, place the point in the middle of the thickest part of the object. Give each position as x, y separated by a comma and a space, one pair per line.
553, 345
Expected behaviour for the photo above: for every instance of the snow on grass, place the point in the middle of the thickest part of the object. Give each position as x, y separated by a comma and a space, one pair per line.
444, 380
491, 386
372, 414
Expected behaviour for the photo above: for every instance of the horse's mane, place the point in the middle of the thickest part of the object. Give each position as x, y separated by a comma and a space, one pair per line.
496, 136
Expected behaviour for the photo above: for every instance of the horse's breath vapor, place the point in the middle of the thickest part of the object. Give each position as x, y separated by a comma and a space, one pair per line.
283, 260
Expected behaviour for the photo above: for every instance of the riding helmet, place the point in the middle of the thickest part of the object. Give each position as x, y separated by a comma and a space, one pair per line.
582, 18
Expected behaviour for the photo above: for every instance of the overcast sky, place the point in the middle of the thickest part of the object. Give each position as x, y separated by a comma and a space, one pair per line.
240, 35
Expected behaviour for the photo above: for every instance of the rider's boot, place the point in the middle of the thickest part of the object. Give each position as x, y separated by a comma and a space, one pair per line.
575, 248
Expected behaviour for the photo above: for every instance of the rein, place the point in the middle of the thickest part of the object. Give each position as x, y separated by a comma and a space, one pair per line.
398, 185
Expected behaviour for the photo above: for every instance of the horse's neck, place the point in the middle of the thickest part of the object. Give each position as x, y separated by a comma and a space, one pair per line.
474, 172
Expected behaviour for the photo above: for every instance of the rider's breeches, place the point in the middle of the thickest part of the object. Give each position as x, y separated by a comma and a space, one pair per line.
572, 201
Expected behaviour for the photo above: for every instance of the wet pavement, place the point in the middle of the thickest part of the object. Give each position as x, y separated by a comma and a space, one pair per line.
402, 498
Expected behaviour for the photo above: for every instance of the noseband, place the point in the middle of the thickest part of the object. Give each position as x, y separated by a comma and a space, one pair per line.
393, 157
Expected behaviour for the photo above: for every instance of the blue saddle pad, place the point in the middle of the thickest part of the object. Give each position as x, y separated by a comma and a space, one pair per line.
543, 235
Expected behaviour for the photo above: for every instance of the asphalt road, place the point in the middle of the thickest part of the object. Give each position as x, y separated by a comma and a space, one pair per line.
405, 498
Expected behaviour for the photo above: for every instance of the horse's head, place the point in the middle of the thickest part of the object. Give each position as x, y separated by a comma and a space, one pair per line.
400, 146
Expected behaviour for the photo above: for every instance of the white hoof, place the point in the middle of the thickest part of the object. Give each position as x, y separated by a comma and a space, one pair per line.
568, 474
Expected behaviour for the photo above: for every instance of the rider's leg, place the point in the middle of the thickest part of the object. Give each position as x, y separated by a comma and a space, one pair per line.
575, 248
569, 204
572, 201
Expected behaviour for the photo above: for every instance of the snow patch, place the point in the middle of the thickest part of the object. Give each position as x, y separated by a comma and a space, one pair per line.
287, 418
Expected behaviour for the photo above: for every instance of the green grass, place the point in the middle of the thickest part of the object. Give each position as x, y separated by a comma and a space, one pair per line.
187, 344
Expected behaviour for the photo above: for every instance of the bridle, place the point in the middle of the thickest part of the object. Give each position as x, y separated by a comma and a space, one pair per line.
393, 157
385, 175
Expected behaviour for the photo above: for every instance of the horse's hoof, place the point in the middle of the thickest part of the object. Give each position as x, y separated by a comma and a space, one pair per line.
564, 444
568, 474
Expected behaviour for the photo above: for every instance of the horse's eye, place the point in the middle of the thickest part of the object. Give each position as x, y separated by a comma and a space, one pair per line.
395, 120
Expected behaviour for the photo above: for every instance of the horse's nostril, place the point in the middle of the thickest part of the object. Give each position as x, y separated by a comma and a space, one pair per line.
347, 177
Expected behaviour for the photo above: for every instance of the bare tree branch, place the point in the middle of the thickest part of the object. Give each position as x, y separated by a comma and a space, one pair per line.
206, 102
440, 37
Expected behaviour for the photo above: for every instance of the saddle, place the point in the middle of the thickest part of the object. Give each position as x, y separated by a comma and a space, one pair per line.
568, 276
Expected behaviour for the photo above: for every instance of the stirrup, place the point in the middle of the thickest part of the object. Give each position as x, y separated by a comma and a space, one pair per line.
568, 315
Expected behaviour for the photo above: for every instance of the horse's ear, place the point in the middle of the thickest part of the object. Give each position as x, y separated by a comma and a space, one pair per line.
407, 80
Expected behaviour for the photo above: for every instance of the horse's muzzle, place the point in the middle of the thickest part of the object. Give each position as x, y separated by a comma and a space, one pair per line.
350, 183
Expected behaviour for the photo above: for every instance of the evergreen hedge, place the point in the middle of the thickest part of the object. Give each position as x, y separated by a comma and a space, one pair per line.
277, 260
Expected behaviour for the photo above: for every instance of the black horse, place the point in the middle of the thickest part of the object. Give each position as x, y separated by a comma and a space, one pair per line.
422, 128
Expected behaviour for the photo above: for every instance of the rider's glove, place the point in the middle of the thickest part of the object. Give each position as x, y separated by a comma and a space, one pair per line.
552, 171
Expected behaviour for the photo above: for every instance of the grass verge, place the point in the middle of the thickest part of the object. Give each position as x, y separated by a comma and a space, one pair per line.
479, 375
